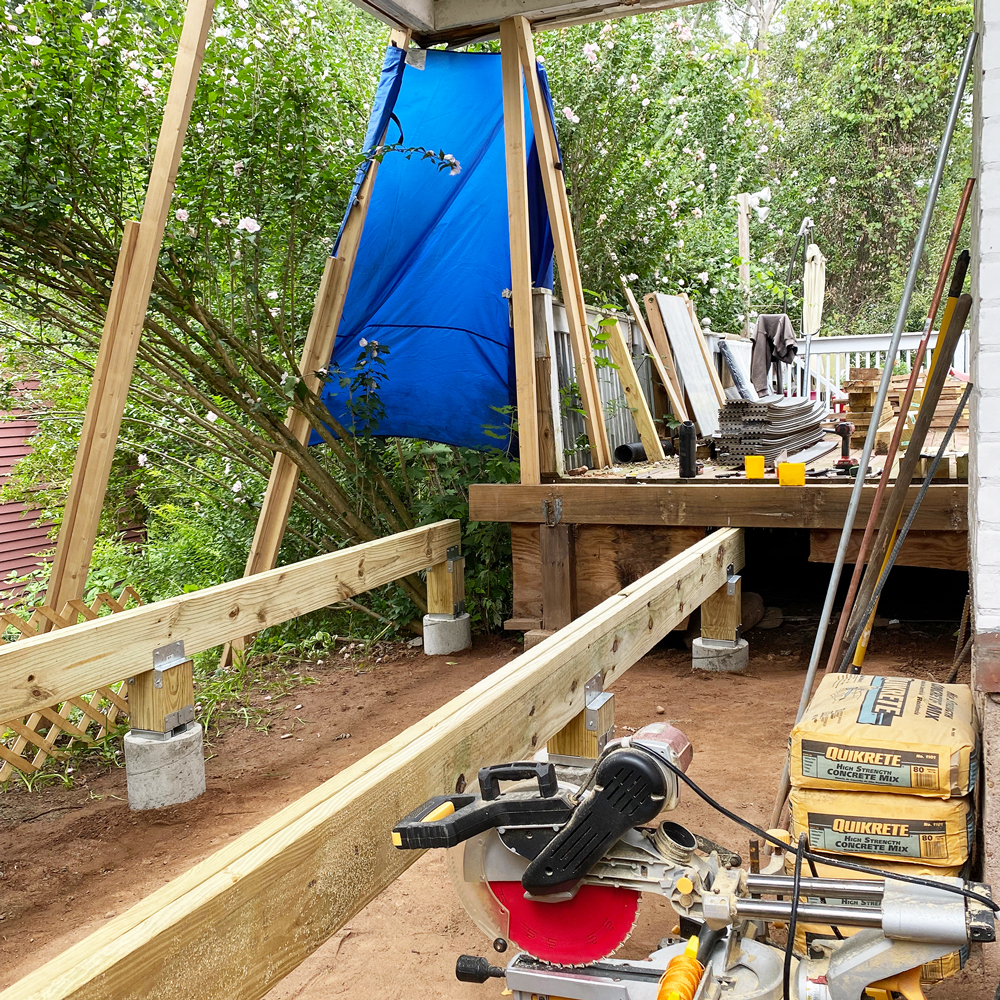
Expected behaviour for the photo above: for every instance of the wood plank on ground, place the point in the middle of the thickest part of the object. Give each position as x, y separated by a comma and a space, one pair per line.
238, 922
41, 670
764, 504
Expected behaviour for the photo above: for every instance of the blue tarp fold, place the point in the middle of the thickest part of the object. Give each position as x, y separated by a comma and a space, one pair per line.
434, 258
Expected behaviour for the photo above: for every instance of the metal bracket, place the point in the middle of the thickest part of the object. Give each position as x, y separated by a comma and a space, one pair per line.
166, 657
731, 580
552, 511
171, 728
595, 697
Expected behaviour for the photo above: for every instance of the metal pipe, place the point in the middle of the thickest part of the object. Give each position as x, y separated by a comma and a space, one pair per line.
838, 888
774, 909
883, 391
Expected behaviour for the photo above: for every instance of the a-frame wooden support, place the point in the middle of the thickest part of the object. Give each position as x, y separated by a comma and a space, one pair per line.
123, 324
517, 30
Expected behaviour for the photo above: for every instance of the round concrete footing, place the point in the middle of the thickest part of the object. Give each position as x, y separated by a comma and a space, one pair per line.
708, 654
445, 634
165, 772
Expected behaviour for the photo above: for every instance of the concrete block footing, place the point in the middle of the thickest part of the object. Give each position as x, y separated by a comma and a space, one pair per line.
445, 634
709, 654
165, 772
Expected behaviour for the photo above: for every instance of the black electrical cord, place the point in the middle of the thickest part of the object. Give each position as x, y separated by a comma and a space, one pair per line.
811, 855
815, 874
793, 919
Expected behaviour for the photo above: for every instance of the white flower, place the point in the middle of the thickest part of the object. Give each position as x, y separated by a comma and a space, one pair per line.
36, 63
103, 41
86, 16
272, 295
349, 143
456, 167
237, 168
211, 417
609, 44
143, 460
794, 173
700, 188
541, 60
684, 34
703, 277
832, 180
730, 118
181, 215
242, 4
645, 102
633, 78
713, 291
133, 64
680, 244
591, 50
568, 112
273, 312
249, 225
34, 40
362, 342
237, 486
633, 277
216, 220
712, 167
157, 74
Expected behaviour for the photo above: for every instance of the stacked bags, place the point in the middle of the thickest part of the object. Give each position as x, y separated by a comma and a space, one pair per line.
882, 772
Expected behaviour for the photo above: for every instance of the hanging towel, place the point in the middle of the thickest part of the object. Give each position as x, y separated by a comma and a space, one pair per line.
773, 343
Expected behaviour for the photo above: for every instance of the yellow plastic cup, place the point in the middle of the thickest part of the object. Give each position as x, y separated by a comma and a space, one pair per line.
754, 466
792, 474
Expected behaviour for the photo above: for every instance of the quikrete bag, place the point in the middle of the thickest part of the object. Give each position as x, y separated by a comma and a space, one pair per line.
888, 734
937, 832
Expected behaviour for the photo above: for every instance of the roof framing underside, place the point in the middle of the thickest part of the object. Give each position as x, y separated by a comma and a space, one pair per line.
459, 22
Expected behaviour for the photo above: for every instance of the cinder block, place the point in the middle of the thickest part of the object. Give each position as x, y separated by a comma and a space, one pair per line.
160, 773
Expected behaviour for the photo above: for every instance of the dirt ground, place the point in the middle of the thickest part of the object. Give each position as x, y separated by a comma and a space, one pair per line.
71, 859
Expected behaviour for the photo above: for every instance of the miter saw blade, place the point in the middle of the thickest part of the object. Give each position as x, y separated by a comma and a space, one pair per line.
592, 925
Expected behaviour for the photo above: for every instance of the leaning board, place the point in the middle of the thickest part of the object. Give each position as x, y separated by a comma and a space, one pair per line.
690, 363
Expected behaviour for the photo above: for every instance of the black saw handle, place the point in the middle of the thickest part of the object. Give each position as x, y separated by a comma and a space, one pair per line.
520, 770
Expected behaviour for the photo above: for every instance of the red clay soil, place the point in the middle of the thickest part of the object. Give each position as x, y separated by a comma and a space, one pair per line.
71, 859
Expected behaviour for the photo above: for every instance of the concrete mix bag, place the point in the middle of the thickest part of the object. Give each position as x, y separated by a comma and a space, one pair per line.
888, 734
936, 832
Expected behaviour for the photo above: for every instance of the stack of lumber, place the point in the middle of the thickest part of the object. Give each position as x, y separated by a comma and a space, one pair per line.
862, 388
945, 409
768, 426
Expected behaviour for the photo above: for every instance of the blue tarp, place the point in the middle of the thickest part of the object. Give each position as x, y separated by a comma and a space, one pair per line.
434, 258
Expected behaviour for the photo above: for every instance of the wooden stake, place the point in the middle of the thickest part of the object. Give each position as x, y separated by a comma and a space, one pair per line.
123, 324
554, 183
621, 355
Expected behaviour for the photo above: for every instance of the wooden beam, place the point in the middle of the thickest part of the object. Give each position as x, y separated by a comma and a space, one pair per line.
621, 355
553, 181
316, 353
707, 503
661, 350
235, 924
39, 671
137, 261
551, 460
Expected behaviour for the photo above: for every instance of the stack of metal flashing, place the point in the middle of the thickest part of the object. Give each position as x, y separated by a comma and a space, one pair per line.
769, 426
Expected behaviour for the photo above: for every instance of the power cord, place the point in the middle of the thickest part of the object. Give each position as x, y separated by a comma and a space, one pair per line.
793, 919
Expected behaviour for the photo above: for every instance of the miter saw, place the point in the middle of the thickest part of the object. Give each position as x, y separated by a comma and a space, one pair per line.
553, 865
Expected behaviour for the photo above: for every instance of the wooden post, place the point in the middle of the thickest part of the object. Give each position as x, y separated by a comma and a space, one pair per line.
161, 700
316, 353
123, 324
743, 234
520, 256
721, 614
661, 350
446, 587
518, 32
551, 460
556, 544
621, 355
577, 738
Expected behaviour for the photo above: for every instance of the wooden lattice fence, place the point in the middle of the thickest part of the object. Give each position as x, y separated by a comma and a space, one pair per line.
27, 742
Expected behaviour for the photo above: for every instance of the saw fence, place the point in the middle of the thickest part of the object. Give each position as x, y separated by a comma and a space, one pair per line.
238, 922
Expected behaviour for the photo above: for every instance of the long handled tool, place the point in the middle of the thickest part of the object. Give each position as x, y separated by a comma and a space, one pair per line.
861, 632
958, 280
907, 467
883, 391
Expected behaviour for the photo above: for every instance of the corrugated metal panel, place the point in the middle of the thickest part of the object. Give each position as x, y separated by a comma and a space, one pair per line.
617, 416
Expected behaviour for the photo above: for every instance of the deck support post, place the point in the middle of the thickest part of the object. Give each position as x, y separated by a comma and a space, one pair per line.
720, 646
447, 625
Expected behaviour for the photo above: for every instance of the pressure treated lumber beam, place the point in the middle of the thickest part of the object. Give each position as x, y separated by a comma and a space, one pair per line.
130, 290
40, 671
621, 355
238, 922
520, 256
316, 353
557, 200
706, 503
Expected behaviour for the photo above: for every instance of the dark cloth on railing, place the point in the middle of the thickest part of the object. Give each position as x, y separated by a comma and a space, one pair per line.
773, 343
